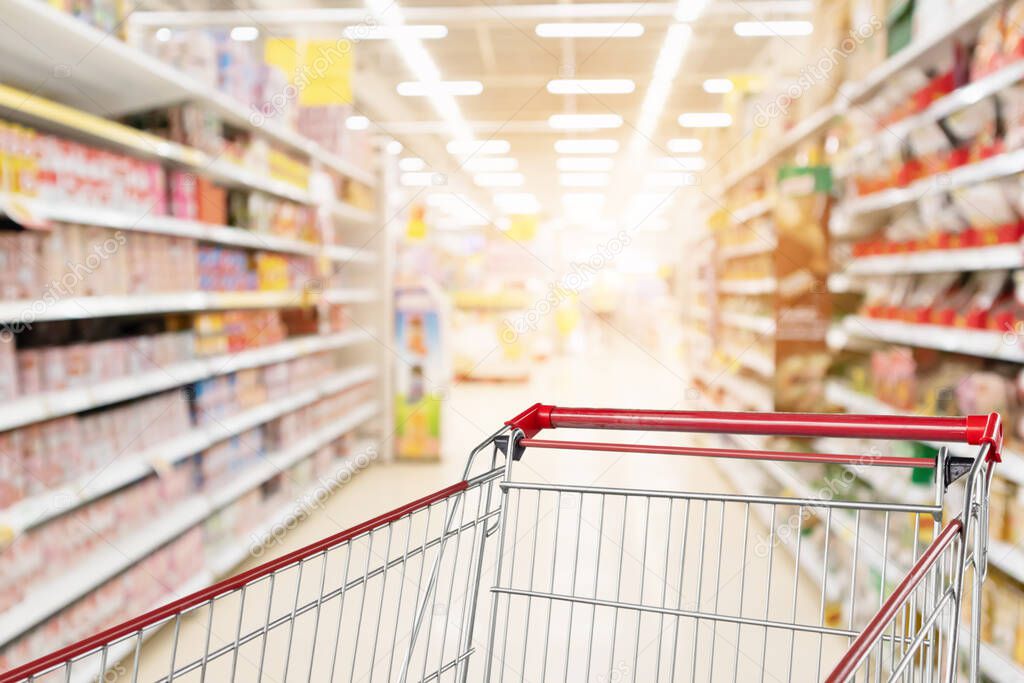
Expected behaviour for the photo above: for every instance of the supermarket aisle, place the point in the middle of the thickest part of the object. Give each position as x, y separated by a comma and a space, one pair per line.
637, 379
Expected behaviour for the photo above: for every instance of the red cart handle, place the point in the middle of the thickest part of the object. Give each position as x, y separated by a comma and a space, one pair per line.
971, 429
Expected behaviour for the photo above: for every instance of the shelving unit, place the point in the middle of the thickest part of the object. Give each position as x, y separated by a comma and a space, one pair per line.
856, 217
99, 76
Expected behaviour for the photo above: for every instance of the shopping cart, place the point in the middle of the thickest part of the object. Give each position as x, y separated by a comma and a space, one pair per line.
597, 583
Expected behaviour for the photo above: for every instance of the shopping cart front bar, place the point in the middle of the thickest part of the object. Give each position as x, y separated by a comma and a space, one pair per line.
970, 429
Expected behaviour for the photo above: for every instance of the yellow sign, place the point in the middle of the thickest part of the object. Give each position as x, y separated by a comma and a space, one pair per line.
416, 227
321, 70
523, 228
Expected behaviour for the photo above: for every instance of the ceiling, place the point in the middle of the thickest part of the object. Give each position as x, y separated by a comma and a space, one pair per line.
496, 44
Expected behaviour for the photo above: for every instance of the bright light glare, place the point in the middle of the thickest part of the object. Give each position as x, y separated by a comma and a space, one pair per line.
670, 58
163, 34
717, 85
592, 146
578, 199
498, 179
491, 164
421, 179
764, 29
680, 164
517, 202
689, 10
357, 123
468, 147
669, 179
454, 88
396, 32
584, 164
411, 164
584, 121
594, 86
245, 34
584, 179
685, 145
609, 29
705, 120
394, 147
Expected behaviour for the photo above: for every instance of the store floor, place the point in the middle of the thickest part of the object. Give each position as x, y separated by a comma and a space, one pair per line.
618, 375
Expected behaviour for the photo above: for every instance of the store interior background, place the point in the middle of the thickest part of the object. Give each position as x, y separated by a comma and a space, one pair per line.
247, 249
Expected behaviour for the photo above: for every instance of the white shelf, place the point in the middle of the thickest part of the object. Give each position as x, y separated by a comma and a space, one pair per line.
351, 214
941, 260
753, 360
103, 75
749, 394
1012, 466
755, 247
349, 296
761, 324
765, 285
226, 560
988, 169
920, 50
45, 506
994, 665
23, 411
982, 343
969, 16
752, 210
347, 254
807, 127
1007, 557
160, 225
28, 311
104, 564
960, 98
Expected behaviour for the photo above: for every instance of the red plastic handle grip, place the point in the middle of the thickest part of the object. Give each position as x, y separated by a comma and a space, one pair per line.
972, 429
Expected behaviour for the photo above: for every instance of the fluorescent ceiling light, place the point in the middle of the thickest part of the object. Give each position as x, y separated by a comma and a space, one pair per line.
498, 179
444, 199
680, 164
584, 164
584, 121
705, 120
421, 179
411, 164
421, 66
454, 88
610, 29
357, 123
394, 147
587, 146
163, 34
654, 224
490, 164
685, 145
762, 29
670, 57
717, 85
517, 202
577, 199
669, 179
689, 10
591, 86
584, 179
469, 147
245, 34
396, 32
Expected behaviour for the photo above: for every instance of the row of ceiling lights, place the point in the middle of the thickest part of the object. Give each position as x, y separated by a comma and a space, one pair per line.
744, 29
